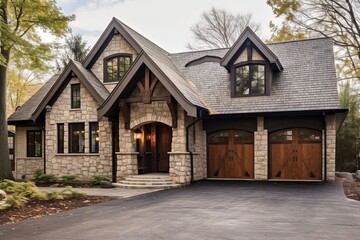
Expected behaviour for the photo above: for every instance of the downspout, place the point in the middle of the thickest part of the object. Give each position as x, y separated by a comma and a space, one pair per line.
44, 128
325, 149
188, 148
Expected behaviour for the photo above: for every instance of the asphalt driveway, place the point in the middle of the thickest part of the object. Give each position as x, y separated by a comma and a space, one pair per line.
208, 210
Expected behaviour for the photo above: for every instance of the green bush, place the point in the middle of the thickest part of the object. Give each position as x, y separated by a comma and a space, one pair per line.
70, 180
95, 180
41, 178
18, 193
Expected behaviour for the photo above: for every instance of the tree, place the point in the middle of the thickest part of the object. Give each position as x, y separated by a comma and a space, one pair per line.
338, 19
20, 24
219, 28
348, 141
284, 33
75, 48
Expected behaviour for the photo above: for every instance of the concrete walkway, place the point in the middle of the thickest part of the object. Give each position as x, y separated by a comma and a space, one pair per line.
207, 210
110, 192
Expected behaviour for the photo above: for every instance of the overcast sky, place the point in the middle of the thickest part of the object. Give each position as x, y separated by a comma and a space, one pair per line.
165, 22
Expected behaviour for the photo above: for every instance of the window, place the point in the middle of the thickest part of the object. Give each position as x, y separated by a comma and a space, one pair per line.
75, 95
219, 138
34, 142
115, 67
250, 80
76, 138
94, 137
60, 138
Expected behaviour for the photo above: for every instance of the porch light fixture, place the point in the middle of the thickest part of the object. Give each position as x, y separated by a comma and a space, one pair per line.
137, 133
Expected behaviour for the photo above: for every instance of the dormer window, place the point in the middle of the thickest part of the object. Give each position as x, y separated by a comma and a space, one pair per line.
250, 80
115, 67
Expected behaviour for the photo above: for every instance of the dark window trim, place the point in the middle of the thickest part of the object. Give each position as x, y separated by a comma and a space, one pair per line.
90, 138
69, 136
72, 98
111, 57
28, 153
60, 142
249, 63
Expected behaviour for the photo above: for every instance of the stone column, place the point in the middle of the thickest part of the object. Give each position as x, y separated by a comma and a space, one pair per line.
261, 151
330, 147
180, 168
126, 157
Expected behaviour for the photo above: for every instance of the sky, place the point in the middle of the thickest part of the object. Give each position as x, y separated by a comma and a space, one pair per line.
165, 22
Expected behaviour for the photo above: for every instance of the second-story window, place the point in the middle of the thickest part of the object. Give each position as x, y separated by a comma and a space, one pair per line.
115, 67
75, 96
250, 80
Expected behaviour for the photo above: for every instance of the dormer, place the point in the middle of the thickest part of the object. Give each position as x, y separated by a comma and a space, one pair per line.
251, 65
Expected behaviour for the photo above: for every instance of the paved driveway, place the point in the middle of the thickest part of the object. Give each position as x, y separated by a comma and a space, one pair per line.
208, 210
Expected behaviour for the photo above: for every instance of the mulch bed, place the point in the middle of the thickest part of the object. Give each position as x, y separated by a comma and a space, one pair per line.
36, 208
352, 190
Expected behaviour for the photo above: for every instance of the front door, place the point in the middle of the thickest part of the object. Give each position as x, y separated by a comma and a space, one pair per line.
231, 154
295, 154
153, 148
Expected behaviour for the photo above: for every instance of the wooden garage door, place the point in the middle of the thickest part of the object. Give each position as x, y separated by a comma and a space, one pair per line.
295, 154
231, 154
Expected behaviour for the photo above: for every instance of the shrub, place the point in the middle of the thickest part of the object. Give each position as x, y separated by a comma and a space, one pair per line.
42, 178
70, 180
95, 180
18, 193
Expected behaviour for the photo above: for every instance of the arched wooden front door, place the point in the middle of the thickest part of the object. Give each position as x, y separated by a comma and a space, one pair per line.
295, 154
231, 154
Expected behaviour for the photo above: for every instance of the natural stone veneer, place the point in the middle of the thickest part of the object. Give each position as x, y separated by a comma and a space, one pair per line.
179, 159
117, 45
330, 147
261, 151
85, 165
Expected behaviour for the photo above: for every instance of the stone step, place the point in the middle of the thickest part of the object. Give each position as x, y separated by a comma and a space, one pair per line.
149, 176
145, 182
148, 179
130, 186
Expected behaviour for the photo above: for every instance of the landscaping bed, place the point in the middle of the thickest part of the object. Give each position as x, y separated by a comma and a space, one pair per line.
351, 189
38, 208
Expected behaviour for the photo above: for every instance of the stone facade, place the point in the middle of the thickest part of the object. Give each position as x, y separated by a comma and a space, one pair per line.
330, 147
261, 151
85, 165
117, 45
26, 166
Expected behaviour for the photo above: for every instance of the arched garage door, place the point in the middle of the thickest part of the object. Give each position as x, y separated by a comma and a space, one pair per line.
295, 154
231, 154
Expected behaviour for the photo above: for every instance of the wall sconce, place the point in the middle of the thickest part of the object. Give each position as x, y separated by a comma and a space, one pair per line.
137, 134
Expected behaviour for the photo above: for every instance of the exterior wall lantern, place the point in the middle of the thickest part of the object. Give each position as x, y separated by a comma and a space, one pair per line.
137, 134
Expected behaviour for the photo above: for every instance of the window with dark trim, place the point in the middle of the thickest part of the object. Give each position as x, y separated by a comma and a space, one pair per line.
60, 138
76, 138
75, 96
115, 67
250, 80
94, 137
34, 143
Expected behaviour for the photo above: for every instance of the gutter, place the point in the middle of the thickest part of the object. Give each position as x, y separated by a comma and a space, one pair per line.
188, 149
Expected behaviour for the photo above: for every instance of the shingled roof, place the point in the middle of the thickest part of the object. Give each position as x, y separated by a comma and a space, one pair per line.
307, 81
32, 108
25, 111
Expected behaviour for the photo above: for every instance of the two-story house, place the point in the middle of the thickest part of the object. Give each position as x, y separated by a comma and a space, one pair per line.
254, 111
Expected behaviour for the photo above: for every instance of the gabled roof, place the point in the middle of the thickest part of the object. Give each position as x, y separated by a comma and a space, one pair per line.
145, 59
160, 60
25, 111
249, 34
31, 110
307, 82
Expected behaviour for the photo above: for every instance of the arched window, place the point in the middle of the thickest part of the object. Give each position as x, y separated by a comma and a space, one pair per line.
115, 67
